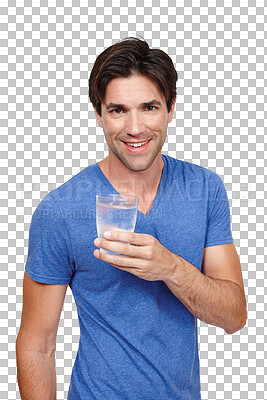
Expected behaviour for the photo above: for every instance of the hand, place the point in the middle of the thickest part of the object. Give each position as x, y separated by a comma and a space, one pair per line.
146, 258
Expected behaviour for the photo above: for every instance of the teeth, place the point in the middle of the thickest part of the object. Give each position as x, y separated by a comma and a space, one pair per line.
137, 144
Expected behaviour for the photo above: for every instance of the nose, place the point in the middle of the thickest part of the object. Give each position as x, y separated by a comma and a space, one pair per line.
134, 123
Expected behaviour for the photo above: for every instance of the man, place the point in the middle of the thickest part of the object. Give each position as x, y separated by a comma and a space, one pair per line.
137, 309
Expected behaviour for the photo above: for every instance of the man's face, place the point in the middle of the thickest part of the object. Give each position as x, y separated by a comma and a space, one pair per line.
134, 113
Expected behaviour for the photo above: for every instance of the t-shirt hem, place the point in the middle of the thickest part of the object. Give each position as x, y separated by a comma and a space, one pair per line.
219, 242
45, 279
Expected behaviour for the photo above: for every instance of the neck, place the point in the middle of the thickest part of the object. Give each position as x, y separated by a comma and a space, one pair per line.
143, 184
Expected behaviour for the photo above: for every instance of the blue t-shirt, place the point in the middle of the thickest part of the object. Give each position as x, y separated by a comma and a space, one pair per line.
137, 340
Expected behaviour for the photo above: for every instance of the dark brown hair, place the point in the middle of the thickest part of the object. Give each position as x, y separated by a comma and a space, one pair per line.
128, 57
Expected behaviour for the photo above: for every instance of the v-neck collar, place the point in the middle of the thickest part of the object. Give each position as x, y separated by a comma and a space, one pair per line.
159, 193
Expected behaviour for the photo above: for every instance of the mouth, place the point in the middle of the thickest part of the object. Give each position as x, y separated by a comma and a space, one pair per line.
137, 146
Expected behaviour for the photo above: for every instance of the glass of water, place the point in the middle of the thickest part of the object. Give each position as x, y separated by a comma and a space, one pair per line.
115, 212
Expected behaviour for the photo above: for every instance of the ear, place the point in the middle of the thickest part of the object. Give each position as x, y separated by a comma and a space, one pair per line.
172, 110
98, 118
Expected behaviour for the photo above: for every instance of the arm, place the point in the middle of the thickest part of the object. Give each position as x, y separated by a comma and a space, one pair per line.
36, 340
215, 295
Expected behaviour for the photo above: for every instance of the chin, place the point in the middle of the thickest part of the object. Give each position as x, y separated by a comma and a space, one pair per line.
135, 163
138, 166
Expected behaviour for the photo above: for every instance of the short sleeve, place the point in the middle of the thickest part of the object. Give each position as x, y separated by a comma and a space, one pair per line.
49, 255
218, 214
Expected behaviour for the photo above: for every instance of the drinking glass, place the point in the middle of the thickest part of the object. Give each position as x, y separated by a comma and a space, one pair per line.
115, 212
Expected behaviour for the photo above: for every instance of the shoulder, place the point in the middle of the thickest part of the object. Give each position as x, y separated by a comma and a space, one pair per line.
71, 193
192, 180
189, 171
84, 181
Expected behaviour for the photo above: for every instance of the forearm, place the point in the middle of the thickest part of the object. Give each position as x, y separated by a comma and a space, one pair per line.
214, 301
36, 374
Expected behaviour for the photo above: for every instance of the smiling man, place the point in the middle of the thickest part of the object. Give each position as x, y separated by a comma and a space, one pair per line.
134, 118
138, 309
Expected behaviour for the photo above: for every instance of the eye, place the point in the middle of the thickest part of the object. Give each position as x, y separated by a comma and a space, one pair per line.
151, 108
116, 111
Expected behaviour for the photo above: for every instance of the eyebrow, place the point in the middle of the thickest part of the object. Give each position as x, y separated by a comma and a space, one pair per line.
146, 104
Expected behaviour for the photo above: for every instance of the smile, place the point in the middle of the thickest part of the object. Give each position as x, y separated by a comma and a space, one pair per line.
137, 148
136, 144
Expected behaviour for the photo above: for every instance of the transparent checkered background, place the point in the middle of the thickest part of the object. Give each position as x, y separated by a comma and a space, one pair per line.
49, 133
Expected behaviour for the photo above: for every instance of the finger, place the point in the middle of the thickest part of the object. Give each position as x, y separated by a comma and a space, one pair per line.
133, 271
138, 239
118, 260
121, 248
